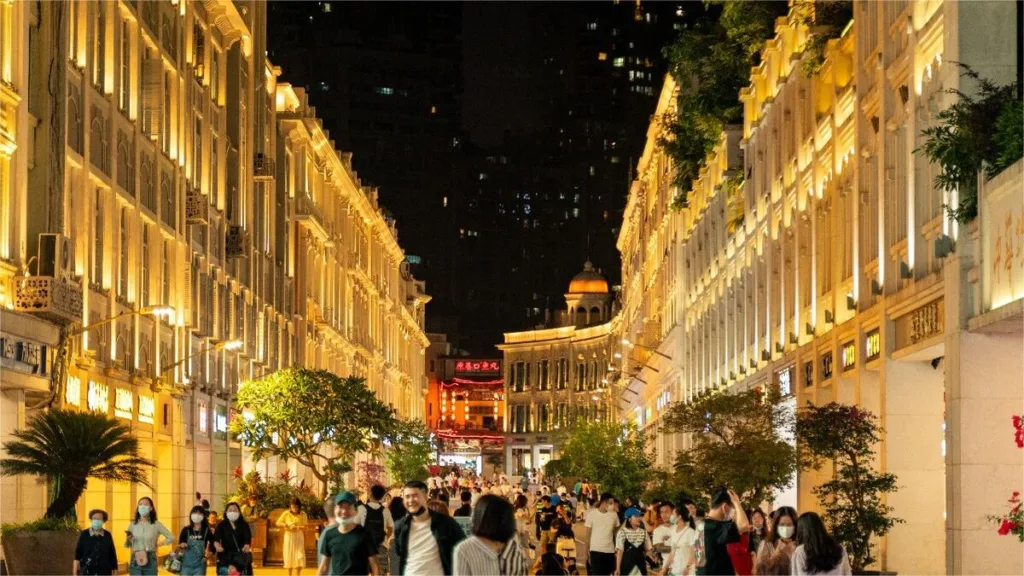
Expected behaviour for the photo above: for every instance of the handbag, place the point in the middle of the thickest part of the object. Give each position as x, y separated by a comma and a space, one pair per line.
173, 562
246, 557
141, 558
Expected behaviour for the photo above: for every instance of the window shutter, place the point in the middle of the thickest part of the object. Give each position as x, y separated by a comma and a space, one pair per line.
152, 98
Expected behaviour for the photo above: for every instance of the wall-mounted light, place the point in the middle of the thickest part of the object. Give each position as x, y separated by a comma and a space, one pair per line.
829, 319
851, 302
793, 338
906, 272
876, 288
943, 246
809, 328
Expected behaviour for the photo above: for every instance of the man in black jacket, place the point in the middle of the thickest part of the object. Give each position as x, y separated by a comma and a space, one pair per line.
466, 509
424, 540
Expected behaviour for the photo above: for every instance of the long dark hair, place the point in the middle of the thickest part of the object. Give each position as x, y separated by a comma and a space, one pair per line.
152, 511
397, 508
241, 518
205, 524
773, 535
822, 552
684, 512
493, 519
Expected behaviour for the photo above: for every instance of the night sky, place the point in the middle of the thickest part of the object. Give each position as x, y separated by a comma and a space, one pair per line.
502, 135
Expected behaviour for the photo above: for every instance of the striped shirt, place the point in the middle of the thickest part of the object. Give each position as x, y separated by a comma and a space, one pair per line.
472, 557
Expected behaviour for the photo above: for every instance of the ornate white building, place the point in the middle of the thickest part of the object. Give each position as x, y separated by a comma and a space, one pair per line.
815, 254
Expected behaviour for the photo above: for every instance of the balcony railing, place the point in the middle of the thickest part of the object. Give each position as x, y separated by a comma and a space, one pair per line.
263, 168
56, 299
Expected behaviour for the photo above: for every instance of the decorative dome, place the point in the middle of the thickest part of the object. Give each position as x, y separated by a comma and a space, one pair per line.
589, 281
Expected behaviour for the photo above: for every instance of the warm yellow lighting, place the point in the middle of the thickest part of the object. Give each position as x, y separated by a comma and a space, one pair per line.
230, 345
161, 311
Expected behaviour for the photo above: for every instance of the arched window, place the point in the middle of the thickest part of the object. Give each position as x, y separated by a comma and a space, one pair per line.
74, 121
125, 177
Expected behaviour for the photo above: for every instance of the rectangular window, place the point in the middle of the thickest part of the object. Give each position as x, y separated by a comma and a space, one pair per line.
124, 86
581, 376
197, 153
563, 373
97, 255
166, 272
99, 44
168, 112
144, 282
542, 375
122, 287
215, 76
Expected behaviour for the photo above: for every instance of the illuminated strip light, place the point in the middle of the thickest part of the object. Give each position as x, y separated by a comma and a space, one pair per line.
465, 381
455, 434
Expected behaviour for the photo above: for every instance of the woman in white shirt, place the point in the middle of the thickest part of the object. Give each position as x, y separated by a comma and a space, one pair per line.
143, 537
680, 559
818, 552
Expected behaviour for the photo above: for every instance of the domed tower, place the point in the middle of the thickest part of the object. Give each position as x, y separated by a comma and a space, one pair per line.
588, 300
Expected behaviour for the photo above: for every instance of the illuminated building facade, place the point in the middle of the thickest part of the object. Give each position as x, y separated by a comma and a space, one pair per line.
174, 173
466, 411
815, 254
555, 376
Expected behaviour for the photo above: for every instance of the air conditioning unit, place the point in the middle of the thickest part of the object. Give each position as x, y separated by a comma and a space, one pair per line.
197, 208
237, 242
53, 292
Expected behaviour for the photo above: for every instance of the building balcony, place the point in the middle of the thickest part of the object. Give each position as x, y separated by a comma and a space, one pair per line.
58, 300
197, 207
263, 168
237, 243
308, 214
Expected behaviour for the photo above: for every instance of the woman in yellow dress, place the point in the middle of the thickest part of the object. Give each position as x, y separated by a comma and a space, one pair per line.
294, 523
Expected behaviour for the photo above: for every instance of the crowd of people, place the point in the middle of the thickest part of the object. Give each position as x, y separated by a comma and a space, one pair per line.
497, 528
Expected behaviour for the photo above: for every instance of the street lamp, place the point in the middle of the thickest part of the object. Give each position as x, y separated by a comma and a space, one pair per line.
224, 345
626, 342
61, 358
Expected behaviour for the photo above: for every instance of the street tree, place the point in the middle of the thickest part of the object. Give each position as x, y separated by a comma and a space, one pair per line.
408, 451
67, 448
739, 440
314, 417
614, 455
855, 511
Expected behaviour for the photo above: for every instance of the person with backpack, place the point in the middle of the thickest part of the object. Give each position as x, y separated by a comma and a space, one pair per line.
195, 543
378, 522
294, 521
723, 525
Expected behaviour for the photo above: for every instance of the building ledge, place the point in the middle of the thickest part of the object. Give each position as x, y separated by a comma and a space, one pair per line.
1007, 319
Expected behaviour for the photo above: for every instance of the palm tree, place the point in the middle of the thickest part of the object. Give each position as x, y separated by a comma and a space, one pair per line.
68, 448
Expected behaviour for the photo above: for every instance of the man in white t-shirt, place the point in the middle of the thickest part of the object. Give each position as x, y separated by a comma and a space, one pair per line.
661, 538
424, 540
601, 523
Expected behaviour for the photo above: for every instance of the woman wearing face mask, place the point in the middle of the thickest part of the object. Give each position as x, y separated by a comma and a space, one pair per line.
143, 537
632, 545
680, 559
777, 545
195, 542
95, 552
294, 521
232, 539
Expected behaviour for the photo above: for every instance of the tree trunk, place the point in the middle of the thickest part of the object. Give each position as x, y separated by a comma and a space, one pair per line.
68, 493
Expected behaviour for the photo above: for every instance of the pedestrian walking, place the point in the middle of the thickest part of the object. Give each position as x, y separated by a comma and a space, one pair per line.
144, 537
777, 547
397, 509
424, 540
232, 539
331, 521
380, 524
294, 521
723, 526
195, 543
95, 552
682, 536
662, 534
347, 547
466, 509
602, 522
632, 545
492, 549
817, 552
759, 528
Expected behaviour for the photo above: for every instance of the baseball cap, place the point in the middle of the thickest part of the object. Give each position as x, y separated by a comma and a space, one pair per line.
346, 496
630, 512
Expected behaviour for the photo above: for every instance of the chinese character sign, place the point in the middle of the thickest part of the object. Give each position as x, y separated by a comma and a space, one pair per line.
478, 366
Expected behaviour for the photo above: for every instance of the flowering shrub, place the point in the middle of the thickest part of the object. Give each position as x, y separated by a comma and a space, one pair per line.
1018, 427
1012, 522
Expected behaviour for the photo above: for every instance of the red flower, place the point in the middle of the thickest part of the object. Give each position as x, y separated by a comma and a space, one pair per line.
1005, 527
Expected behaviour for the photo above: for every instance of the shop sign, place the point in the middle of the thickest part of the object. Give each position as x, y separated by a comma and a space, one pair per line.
204, 418
808, 373
73, 392
786, 382
477, 366
826, 365
98, 397
220, 421
920, 325
123, 403
872, 345
1003, 238
147, 409
849, 355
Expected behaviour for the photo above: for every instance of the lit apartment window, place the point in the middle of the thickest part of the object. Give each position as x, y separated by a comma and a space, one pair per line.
591, 26
97, 255
542, 375
144, 257
385, 90
619, 62
602, 56
125, 57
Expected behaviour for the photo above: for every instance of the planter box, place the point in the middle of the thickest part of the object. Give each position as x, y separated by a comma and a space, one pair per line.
259, 541
44, 552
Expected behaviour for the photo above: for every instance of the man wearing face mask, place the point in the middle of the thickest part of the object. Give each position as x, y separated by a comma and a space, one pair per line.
424, 540
723, 526
661, 537
347, 548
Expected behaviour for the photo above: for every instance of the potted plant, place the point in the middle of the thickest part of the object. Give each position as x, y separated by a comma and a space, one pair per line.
852, 500
65, 448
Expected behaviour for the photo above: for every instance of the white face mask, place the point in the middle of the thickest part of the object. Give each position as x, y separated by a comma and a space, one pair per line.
700, 525
786, 532
345, 521
232, 515
197, 518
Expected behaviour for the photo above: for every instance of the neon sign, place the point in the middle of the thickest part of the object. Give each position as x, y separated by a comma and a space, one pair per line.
786, 382
478, 366
73, 393
123, 403
872, 345
98, 398
849, 355
147, 409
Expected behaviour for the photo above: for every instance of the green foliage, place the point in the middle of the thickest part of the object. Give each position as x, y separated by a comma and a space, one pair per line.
854, 511
826, 19
614, 455
409, 451
732, 187
734, 443
711, 61
313, 417
65, 524
984, 130
258, 497
667, 485
67, 448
